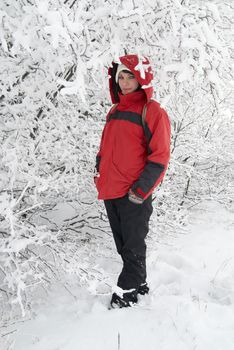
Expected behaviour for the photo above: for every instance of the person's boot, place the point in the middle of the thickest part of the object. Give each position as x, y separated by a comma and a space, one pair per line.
127, 300
143, 289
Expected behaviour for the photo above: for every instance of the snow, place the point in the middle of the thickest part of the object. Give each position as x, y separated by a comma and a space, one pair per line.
210, 36
184, 70
190, 305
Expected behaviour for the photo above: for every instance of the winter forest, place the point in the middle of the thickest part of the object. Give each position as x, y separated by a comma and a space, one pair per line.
54, 96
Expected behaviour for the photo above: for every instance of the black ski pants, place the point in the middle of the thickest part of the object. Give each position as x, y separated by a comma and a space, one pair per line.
130, 224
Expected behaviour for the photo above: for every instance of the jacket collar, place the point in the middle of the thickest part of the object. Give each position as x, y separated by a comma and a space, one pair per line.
132, 98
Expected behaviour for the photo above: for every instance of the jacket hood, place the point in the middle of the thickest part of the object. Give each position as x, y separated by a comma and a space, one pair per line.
139, 67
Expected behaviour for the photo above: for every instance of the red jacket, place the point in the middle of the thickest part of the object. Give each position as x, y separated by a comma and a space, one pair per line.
131, 157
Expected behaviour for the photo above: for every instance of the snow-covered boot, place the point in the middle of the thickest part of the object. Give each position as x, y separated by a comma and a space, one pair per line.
128, 299
143, 289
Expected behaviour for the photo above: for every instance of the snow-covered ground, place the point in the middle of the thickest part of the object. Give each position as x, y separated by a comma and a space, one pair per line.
190, 306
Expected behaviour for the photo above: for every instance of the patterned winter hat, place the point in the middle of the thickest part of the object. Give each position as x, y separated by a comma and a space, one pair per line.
120, 68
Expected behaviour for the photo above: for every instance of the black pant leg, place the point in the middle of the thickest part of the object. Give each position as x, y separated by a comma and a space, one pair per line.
134, 228
115, 223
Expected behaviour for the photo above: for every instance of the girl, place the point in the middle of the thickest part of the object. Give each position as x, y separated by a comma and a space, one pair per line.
131, 162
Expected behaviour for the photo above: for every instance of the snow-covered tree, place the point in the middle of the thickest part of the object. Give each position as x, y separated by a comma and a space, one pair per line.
54, 97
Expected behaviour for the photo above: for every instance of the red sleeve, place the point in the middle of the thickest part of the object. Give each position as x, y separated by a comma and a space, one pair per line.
158, 132
99, 154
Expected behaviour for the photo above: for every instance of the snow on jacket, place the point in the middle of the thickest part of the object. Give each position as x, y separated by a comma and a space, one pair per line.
129, 156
